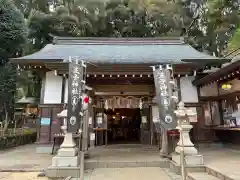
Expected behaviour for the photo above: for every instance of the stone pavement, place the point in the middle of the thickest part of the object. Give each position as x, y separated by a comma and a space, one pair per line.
140, 173
24, 158
21, 176
103, 174
223, 160
124, 153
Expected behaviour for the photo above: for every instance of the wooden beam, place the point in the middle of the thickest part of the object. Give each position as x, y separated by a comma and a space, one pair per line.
118, 81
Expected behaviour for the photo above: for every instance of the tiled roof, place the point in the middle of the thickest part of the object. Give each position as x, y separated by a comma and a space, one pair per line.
120, 50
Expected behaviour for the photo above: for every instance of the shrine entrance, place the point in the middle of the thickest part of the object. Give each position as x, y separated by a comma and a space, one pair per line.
123, 126
122, 120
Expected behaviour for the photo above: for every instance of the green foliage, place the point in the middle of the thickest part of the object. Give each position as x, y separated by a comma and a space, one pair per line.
26, 6
13, 30
222, 18
235, 41
214, 23
207, 24
13, 35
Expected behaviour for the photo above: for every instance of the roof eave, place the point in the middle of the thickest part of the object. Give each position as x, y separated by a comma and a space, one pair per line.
216, 75
197, 61
59, 40
27, 61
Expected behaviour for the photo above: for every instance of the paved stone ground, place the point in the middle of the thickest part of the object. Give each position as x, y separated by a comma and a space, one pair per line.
21, 176
224, 160
104, 174
124, 153
141, 173
24, 158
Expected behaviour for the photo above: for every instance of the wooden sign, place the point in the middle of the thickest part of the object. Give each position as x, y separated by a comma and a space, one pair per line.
75, 78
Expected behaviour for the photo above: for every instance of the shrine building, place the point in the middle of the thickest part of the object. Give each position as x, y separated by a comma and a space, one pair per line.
120, 72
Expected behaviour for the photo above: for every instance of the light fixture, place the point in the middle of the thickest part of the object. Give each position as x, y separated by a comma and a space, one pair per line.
226, 86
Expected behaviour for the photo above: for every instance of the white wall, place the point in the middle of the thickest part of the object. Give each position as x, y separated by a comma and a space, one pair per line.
53, 88
188, 90
210, 90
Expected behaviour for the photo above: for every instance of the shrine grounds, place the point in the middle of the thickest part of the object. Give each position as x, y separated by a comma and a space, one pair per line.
23, 163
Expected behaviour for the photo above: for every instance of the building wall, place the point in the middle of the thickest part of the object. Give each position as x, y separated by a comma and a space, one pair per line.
188, 91
52, 88
235, 87
210, 90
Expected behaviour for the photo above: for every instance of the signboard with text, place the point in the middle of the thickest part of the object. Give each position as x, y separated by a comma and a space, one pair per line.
76, 73
164, 90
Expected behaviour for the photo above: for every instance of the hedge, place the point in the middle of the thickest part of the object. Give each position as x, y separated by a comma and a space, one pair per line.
17, 140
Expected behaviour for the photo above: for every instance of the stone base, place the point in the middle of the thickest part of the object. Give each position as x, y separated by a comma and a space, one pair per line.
176, 168
189, 159
62, 172
44, 149
59, 161
67, 152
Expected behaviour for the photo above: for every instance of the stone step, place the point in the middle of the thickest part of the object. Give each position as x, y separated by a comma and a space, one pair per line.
201, 176
139, 173
176, 168
125, 164
220, 175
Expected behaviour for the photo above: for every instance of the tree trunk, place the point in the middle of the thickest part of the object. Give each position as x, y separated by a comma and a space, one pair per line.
6, 120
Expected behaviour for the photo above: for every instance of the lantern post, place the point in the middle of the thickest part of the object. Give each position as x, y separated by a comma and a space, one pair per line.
185, 152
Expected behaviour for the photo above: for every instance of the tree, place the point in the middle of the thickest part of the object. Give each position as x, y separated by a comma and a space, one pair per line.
214, 23
26, 6
234, 43
13, 33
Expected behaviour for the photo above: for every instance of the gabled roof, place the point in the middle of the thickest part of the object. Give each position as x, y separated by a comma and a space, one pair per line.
121, 51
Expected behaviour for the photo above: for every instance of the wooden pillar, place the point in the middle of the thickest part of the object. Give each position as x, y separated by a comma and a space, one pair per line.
91, 126
151, 125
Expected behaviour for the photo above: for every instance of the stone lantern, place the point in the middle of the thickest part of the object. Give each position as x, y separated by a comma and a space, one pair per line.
66, 162
63, 115
185, 145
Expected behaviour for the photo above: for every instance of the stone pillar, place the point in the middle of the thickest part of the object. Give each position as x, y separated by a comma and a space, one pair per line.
66, 162
191, 155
